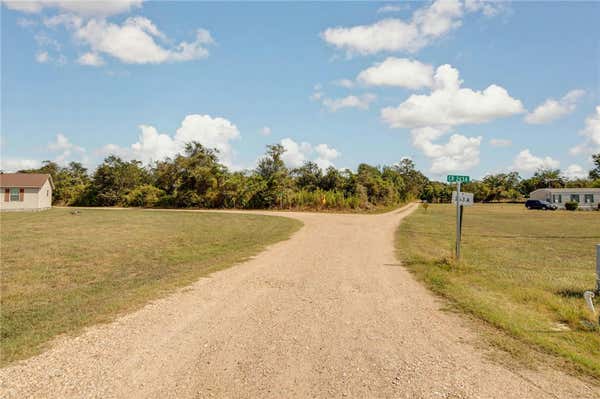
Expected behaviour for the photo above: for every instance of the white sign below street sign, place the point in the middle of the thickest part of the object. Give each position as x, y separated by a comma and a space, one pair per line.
466, 199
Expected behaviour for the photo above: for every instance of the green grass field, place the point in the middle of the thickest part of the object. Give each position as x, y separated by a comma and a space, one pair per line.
523, 272
62, 272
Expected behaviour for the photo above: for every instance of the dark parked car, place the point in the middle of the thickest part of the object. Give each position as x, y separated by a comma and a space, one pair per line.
537, 204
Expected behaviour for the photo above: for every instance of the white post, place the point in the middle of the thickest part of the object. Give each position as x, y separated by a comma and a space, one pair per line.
458, 220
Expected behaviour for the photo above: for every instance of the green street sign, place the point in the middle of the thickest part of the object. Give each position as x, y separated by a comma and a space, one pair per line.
458, 179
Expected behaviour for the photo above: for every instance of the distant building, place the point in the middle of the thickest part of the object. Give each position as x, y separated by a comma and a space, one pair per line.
25, 191
588, 198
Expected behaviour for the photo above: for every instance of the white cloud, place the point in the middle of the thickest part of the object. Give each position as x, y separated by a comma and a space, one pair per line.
325, 155
575, 171
296, 154
153, 146
431, 116
591, 134
500, 142
449, 105
65, 148
13, 165
90, 59
42, 57
265, 131
525, 161
488, 8
84, 8
113, 149
134, 42
401, 72
553, 109
360, 102
426, 25
385, 35
460, 153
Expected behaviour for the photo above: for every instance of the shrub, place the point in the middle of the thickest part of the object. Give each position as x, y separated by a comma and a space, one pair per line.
144, 196
571, 205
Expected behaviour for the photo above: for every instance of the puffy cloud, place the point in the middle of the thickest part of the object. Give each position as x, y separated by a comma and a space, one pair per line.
431, 116
153, 146
448, 104
426, 25
500, 143
591, 134
65, 148
384, 35
90, 59
113, 149
325, 155
360, 102
84, 8
460, 153
553, 109
265, 131
525, 161
134, 42
575, 171
210, 132
401, 72
296, 154
13, 165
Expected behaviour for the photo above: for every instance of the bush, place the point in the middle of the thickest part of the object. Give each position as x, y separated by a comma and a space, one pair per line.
144, 196
571, 205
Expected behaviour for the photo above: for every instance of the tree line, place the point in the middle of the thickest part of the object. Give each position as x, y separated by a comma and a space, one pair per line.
196, 179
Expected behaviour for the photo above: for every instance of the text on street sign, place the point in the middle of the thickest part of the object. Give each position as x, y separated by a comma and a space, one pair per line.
458, 179
465, 199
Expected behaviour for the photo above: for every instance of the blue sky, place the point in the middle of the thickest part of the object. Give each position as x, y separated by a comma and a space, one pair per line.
467, 87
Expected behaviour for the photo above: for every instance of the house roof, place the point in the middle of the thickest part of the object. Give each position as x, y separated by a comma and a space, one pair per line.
24, 180
568, 190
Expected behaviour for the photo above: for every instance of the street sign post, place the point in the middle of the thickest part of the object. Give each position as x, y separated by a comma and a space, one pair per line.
460, 199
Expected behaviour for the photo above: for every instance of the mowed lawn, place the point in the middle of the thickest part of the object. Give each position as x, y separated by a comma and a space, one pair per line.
61, 272
522, 271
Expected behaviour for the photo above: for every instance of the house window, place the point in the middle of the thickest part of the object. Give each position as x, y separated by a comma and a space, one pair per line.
47, 193
14, 194
575, 197
588, 198
557, 198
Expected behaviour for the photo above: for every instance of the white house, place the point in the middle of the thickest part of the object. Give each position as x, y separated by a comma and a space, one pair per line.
26, 191
588, 198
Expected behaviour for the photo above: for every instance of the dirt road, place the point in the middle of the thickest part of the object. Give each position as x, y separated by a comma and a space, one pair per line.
328, 313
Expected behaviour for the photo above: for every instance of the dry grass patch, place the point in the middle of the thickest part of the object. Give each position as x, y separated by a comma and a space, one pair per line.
62, 272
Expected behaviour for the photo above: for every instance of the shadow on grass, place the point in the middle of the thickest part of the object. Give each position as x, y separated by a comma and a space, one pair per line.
570, 293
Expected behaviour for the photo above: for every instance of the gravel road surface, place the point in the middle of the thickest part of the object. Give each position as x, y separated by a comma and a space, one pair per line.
328, 313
